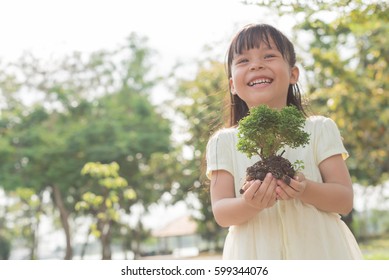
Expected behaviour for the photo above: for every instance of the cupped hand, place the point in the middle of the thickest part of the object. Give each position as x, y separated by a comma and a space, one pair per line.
294, 189
260, 194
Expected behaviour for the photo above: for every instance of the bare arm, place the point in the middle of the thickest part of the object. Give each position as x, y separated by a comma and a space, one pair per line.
230, 210
335, 194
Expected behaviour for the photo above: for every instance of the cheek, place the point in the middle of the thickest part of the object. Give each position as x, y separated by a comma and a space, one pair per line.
234, 78
286, 75
237, 76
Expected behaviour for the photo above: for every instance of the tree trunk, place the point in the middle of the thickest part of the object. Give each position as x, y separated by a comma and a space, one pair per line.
34, 239
104, 226
64, 215
106, 240
85, 245
32, 249
124, 248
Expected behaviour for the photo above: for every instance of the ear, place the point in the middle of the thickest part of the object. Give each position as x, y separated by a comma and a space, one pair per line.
294, 75
232, 87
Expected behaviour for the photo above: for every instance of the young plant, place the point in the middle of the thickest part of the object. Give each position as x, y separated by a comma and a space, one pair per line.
265, 132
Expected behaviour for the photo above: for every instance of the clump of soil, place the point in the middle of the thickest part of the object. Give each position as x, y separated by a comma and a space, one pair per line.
279, 167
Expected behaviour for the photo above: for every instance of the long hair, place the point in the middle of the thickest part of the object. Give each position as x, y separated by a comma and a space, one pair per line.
252, 36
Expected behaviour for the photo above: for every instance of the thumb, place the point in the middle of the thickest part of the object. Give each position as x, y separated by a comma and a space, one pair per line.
299, 177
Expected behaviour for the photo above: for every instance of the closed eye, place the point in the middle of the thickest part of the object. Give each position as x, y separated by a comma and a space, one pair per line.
242, 60
269, 56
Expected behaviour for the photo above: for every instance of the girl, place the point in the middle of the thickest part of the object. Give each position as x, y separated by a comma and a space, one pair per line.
273, 220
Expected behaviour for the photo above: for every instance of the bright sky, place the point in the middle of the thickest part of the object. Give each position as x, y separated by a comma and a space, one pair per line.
177, 29
181, 26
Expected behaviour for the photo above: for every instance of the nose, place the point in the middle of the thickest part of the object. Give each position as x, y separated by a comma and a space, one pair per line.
256, 65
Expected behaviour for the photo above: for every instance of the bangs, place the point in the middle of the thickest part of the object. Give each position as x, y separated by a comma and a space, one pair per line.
250, 38
253, 36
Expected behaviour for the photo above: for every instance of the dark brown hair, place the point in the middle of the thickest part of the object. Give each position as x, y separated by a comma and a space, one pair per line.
252, 36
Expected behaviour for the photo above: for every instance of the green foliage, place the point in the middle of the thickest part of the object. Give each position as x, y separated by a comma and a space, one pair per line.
199, 101
26, 209
5, 247
105, 206
29, 197
298, 165
265, 131
107, 174
103, 203
82, 108
376, 248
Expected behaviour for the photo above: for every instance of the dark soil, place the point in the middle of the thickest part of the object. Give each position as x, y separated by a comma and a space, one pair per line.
279, 167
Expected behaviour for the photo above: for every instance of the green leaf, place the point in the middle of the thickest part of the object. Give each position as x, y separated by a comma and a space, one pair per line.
265, 131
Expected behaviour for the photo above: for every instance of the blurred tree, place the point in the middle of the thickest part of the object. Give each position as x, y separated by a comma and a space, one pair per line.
103, 204
28, 208
56, 117
199, 102
5, 247
5, 230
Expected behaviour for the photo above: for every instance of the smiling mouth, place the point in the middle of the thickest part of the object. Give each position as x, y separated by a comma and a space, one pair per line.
259, 82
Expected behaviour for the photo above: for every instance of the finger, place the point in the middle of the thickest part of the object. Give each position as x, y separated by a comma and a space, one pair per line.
282, 194
299, 177
287, 189
286, 180
272, 200
267, 181
259, 192
245, 186
269, 192
256, 187
295, 185
259, 183
252, 190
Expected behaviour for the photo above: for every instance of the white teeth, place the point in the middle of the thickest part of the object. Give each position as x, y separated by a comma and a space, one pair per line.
260, 81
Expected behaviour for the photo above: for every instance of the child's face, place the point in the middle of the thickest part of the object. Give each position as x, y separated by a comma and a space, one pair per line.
262, 76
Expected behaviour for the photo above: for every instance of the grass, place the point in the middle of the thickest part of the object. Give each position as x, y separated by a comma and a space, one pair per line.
375, 249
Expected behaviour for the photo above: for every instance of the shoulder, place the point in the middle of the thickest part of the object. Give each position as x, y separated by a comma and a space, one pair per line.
223, 137
320, 122
318, 119
325, 137
224, 133
323, 129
